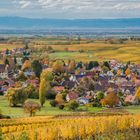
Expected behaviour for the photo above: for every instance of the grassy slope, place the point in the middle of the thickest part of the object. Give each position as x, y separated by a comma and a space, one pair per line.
46, 110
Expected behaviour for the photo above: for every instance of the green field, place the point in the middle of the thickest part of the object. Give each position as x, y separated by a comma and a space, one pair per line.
16, 112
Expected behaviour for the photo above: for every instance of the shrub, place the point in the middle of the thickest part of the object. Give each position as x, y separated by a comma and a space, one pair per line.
24, 136
59, 99
73, 105
61, 107
100, 95
53, 103
21, 77
31, 107
96, 103
16, 96
51, 94
32, 91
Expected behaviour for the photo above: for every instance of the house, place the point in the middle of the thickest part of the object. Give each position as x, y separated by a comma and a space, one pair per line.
110, 74
58, 89
83, 100
29, 73
69, 84
4, 89
131, 99
98, 87
2, 68
71, 96
9, 82
34, 82
3, 73
137, 82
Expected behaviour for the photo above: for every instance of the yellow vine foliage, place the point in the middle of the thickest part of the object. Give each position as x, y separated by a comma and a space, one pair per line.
53, 128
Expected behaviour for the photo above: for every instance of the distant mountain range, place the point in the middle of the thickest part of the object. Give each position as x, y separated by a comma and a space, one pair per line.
30, 23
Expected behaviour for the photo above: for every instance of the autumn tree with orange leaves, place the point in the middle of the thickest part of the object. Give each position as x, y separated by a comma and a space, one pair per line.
110, 100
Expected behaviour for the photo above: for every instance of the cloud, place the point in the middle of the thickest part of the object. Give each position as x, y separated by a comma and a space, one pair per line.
23, 3
73, 8
91, 4
80, 4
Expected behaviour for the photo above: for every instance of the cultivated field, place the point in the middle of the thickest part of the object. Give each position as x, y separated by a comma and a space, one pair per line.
72, 128
9, 46
86, 49
100, 50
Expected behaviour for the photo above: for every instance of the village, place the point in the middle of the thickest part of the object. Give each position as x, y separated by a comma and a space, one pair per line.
85, 83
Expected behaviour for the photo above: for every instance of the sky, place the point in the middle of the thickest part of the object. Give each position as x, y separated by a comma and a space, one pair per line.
71, 9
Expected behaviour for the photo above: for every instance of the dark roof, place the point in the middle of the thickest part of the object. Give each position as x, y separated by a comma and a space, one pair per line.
2, 68
68, 84
80, 76
98, 87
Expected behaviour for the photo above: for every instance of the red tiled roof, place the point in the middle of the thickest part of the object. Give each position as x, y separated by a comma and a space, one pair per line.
58, 88
130, 98
137, 82
73, 95
89, 97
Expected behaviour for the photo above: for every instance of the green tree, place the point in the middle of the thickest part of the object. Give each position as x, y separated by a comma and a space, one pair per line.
16, 96
6, 62
15, 60
92, 64
7, 52
21, 77
100, 95
106, 64
73, 105
32, 91
37, 67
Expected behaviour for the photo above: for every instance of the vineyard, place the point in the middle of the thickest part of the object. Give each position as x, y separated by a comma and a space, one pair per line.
69, 128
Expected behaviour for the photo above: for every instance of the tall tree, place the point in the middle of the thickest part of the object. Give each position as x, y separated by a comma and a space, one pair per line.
26, 65
37, 67
45, 79
71, 65
42, 91
138, 93
6, 61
